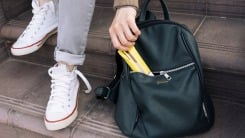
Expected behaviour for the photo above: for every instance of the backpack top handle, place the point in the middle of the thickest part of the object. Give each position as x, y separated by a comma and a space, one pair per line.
143, 11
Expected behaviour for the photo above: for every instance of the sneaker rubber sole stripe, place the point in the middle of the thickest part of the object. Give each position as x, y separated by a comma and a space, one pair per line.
64, 117
31, 48
62, 123
43, 39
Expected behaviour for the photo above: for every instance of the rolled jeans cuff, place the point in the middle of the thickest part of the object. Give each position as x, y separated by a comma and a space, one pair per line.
69, 58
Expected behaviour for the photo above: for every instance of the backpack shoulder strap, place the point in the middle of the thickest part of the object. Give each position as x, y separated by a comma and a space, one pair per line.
110, 92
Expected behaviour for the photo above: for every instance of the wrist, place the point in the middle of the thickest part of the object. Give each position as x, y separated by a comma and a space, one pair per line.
120, 3
127, 6
127, 9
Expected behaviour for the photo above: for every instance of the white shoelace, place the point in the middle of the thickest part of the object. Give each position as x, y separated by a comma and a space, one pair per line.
36, 21
60, 85
85, 80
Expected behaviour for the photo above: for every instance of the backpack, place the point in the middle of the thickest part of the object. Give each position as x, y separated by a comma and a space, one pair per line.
160, 106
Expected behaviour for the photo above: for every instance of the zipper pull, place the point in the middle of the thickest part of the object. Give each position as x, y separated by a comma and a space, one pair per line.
204, 110
165, 74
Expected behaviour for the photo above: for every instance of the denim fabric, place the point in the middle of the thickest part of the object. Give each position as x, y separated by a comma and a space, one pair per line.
73, 26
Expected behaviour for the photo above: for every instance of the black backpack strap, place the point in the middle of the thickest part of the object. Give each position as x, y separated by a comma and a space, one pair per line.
110, 92
145, 14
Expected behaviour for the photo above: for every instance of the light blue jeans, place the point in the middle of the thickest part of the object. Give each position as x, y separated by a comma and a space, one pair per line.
74, 21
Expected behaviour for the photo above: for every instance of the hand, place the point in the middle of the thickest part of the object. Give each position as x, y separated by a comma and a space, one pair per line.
124, 31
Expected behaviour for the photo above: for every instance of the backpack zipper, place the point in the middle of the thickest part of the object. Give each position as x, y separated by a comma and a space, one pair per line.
193, 58
167, 76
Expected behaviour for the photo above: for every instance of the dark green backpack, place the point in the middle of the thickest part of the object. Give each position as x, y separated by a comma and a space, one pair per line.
160, 106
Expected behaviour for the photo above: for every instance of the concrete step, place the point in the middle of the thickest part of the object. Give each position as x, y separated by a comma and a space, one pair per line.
23, 105
25, 90
8, 131
224, 8
99, 44
231, 8
220, 41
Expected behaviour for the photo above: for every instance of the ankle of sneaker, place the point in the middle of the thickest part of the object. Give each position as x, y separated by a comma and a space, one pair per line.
42, 2
68, 66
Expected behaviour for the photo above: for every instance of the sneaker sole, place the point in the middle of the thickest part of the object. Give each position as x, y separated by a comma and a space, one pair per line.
33, 47
62, 123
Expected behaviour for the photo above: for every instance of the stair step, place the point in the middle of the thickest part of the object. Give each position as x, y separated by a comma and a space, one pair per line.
221, 44
23, 105
7, 131
231, 8
12, 8
98, 36
99, 43
221, 52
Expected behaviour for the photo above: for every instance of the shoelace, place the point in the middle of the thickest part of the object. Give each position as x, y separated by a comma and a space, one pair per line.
36, 21
85, 80
60, 85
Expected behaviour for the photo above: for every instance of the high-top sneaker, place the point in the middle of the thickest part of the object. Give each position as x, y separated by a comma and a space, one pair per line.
43, 24
62, 106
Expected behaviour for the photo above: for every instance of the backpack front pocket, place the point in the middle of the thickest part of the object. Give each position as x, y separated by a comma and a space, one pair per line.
168, 107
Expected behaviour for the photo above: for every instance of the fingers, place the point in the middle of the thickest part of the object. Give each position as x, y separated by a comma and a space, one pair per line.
116, 42
123, 38
124, 31
134, 28
129, 34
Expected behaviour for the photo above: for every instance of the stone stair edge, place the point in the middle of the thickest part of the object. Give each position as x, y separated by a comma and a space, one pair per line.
204, 7
28, 122
13, 114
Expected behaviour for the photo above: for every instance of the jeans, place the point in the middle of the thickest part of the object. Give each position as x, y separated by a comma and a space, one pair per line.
74, 21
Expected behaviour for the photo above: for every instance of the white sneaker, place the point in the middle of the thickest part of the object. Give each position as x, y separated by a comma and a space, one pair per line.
43, 24
62, 106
